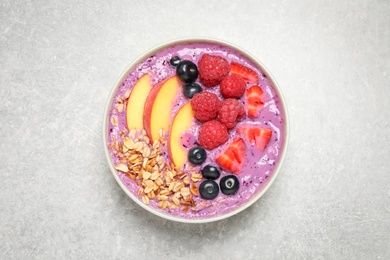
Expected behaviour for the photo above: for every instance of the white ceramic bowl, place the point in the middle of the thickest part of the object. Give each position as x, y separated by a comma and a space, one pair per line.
156, 50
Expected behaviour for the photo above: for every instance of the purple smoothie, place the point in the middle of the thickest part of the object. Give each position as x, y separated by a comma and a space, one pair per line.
258, 167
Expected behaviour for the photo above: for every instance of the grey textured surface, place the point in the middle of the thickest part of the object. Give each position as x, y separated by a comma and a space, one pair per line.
59, 61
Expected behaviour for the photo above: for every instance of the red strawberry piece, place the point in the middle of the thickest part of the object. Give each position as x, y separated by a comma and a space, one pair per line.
212, 69
230, 111
205, 106
246, 73
232, 86
254, 101
212, 134
233, 157
257, 136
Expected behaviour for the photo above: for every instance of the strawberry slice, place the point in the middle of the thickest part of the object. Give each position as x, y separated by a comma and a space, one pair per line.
257, 136
233, 157
254, 100
244, 72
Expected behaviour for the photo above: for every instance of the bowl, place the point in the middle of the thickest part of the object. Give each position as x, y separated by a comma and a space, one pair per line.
130, 186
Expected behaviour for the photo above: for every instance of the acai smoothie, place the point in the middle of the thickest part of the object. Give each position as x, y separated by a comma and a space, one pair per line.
196, 130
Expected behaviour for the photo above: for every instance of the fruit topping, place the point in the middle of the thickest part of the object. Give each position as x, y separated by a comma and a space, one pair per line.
232, 86
197, 155
254, 100
181, 123
208, 189
174, 61
158, 107
136, 103
210, 172
229, 112
187, 71
257, 136
229, 184
244, 72
212, 134
212, 69
233, 157
190, 89
205, 106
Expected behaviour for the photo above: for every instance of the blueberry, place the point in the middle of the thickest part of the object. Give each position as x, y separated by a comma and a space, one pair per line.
197, 155
208, 189
191, 89
187, 71
229, 184
174, 61
210, 172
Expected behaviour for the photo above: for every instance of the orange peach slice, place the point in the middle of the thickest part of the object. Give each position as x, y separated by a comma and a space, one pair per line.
136, 103
181, 123
158, 107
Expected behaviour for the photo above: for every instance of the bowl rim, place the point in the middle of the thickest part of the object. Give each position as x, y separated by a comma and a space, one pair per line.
156, 49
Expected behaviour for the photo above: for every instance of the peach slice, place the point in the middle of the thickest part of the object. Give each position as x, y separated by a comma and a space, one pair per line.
181, 123
158, 107
136, 103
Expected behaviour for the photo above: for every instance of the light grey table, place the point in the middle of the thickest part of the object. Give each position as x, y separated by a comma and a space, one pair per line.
59, 61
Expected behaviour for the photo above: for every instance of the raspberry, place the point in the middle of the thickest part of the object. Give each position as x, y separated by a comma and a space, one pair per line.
232, 86
205, 106
212, 134
212, 69
230, 111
